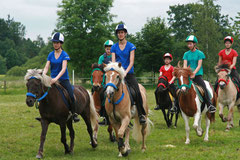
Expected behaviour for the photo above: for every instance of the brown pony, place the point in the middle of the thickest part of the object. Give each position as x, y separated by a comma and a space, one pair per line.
227, 93
53, 109
190, 102
120, 111
98, 82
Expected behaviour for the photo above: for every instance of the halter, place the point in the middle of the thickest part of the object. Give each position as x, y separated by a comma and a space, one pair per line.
116, 88
161, 84
225, 81
185, 85
29, 94
104, 77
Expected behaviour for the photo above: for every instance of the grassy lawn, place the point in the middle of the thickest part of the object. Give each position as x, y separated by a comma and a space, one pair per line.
20, 137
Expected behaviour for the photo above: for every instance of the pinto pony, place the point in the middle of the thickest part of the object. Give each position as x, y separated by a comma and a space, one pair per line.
227, 93
53, 109
190, 102
120, 111
98, 82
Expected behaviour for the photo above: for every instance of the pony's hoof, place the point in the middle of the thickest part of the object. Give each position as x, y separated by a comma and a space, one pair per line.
120, 154
112, 138
195, 126
227, 129
205, 139
187, 142
126, 153
143, 150
38, 156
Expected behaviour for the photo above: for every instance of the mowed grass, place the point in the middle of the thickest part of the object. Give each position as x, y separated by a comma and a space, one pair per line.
20, 137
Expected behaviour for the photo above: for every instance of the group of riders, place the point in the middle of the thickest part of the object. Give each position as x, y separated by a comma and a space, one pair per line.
124, 52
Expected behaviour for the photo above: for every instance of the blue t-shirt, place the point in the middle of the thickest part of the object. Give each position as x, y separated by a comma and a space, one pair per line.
192, 60
56, 64
123, 56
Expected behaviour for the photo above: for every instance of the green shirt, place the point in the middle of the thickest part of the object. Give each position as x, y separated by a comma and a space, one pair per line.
101, 58
192, 60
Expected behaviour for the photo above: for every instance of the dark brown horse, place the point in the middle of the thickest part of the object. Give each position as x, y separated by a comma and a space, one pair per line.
190, 102
165, 101
98, 82
53, 109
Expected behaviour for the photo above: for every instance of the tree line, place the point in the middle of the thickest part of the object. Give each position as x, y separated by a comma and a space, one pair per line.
87, 24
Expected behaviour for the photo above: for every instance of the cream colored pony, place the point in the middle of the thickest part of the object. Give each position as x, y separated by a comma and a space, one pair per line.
120, 111
227, 94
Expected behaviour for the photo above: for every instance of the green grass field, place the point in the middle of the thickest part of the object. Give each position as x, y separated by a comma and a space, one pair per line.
20, 137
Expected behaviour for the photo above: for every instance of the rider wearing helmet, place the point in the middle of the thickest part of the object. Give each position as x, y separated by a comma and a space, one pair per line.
58, 59
167, 71
229, 55
107, 56
194, 58
124, 52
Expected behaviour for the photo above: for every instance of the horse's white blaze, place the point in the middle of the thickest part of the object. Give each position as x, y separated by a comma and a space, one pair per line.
110, 89
183, 88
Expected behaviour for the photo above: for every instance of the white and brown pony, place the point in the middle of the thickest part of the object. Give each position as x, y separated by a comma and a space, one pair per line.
227, 93
191, 104
120, 111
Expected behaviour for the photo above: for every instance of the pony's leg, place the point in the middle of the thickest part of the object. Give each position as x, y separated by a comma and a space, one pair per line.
207, 128
111, 134
165, 117
199, 129
124, 124
230, 116
144, 132
116, 127
221, 106
63, 138
176, 119
127, 135
72, 134
187, 128
168, 117
44, 124
89, 129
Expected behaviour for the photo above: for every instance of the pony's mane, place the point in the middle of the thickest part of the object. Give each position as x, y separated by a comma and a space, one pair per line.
37, 73
180, 70
115, 67
95, 65
223, 65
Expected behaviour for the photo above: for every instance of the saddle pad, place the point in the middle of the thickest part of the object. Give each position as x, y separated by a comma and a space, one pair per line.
131, 95
64, 95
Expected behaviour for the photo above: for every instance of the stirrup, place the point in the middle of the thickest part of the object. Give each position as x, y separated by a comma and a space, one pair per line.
212, 109
75, 117
142, 119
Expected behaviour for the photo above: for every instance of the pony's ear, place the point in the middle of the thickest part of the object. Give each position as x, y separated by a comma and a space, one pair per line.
119, 65
92, 66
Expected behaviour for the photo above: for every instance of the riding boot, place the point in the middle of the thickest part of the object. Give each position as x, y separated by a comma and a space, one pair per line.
74, 114
211, 107
142, 118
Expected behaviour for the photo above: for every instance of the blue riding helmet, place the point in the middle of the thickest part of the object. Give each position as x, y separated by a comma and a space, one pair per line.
58, 37
121, 27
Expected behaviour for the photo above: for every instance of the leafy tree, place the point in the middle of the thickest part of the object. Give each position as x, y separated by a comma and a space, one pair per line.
3, 67
86, 24
12, 58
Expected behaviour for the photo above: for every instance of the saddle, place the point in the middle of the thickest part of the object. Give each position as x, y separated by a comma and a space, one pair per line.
65, 96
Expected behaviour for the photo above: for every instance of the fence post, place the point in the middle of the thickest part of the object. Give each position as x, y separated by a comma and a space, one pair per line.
5, 86
73, 77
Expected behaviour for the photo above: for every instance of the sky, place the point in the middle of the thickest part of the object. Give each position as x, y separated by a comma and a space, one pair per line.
40, 16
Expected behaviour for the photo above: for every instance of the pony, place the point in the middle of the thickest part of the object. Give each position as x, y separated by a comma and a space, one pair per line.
164, 100
98, 82
227, 93
191, 103
53, 109
120, 111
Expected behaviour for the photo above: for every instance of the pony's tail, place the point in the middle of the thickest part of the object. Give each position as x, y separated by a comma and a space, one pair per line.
93, 113
137, 129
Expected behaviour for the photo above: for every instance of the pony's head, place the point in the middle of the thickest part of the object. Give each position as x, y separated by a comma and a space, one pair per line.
114, 77
162, 83
223, 71
183, 77
97, 76
35, 81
